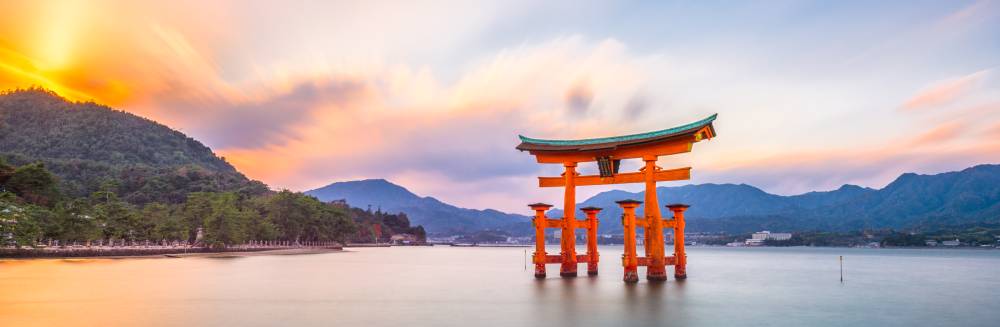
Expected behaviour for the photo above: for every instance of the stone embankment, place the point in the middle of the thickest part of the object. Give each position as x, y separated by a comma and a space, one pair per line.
79, 251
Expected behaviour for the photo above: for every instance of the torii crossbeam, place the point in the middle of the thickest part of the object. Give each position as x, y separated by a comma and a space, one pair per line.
608, 153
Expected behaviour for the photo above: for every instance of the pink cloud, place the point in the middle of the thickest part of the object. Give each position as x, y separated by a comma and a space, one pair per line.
940, 134
993, 131
946, 92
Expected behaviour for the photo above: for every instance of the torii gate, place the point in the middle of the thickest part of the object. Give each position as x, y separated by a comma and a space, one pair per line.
608, 153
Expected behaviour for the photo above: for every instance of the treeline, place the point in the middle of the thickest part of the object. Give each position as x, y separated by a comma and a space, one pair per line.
33, 210
380, 227
970, 235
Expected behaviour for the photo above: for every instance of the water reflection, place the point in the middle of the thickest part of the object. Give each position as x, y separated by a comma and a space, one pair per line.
490, 287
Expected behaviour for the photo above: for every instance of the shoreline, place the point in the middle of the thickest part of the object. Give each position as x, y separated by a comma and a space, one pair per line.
168, 253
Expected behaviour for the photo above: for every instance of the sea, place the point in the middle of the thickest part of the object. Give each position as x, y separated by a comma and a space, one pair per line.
483, 286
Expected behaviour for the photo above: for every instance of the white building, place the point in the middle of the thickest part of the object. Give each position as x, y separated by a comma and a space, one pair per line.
767, 235
758, 238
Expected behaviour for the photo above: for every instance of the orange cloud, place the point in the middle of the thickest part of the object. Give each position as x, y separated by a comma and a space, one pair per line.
937, 135
946, 92
993, 131
297, 101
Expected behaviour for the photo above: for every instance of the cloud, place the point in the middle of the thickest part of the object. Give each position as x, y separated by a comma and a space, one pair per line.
407, 125
993, 131
940, 134
578, 98
635, 107
269, 121
433, 94
945, 92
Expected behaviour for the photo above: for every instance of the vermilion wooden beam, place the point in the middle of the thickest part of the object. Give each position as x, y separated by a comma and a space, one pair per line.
678, 174
669, 261
682, 145
559, 223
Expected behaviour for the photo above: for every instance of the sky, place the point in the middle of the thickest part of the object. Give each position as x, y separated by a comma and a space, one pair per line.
431, 95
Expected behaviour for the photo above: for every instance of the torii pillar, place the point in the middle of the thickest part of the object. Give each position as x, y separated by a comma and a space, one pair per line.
630, 260
592, 256
656, 268
568, 236
540, 258
680, 257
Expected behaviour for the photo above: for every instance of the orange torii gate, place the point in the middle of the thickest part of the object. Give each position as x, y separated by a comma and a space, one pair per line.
608, 153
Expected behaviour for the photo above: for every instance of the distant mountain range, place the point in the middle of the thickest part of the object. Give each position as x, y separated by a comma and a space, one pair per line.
87, 145
437, 217
965, 197
912, 201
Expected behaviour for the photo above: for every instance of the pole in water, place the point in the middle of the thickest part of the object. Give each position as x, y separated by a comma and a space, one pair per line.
841, 269
525, 259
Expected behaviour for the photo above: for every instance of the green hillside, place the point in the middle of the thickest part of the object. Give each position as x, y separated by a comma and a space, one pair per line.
90, 146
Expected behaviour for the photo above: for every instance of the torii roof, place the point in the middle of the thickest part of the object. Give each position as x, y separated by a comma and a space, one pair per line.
532, 144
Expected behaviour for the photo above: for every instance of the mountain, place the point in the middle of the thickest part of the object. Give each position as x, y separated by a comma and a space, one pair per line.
910, 202
87, 145
437, 217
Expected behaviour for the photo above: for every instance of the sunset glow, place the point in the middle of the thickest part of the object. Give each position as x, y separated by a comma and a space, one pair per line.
432, 96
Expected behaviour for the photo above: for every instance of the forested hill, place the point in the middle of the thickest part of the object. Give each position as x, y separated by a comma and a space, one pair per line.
90, 147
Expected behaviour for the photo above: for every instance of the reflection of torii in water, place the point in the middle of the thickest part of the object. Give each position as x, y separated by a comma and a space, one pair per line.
608, 153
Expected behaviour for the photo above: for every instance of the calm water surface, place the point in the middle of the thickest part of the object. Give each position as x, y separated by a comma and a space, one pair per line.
443, 286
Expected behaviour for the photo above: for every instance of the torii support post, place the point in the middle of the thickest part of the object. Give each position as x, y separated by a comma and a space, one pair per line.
680, 257
568, 237
592, 256
656, 266
540, 222
629, 259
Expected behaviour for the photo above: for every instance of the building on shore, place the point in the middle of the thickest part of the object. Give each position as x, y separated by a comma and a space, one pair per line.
401, 239
951, 243
758, 238
736, 243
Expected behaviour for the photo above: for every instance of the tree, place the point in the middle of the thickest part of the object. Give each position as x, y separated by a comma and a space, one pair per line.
78, 223
289, 212
194, 211
118, 219
420, 233
49, 222
259, 226
6, 171
327, 223
17, 227
34, 184
166, 225
226, 224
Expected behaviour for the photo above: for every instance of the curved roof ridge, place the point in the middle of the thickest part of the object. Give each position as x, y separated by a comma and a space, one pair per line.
623, 138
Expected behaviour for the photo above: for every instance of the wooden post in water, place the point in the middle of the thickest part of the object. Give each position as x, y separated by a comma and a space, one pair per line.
841, 269
655, 266
568, 237
540, 221
680, 256
630, 260
592, 255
